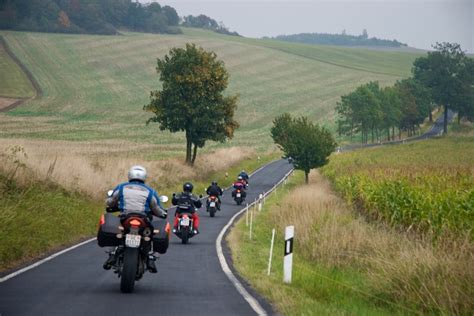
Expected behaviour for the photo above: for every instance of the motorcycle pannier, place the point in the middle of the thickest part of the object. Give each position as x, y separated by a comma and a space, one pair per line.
106, 236
160, 239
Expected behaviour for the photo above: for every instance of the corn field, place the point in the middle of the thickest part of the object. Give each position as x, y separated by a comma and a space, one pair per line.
425, 186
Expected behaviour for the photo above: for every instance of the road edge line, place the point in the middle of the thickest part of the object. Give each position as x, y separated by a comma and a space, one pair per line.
228, 272
34, 265
253, 302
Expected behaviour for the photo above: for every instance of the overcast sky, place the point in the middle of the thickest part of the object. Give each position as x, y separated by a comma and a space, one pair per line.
419, 23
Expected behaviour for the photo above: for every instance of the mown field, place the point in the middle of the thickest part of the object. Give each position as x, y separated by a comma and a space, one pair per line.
13, 81
95, 86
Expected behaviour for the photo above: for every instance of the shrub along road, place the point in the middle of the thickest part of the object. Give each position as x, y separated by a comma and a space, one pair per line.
189, 280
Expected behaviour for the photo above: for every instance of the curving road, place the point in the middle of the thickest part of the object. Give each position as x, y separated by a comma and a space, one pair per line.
189, 281
435, 130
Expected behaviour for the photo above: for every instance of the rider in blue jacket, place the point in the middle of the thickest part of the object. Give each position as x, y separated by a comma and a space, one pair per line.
135, 196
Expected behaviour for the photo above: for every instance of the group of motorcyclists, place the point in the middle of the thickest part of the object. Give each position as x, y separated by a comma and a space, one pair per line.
135, 196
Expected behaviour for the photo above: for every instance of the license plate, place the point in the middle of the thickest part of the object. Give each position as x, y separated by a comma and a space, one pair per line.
132, 241
213, 204
238, 194
185, 221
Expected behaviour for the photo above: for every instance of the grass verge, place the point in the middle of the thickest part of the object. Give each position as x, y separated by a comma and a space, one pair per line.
344, 265
38, 217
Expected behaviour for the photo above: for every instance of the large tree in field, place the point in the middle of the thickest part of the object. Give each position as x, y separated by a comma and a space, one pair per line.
308, 144
444, 72
192, 100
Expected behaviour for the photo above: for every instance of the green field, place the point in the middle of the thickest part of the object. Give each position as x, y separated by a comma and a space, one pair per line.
426, 186
94, 87
13, 81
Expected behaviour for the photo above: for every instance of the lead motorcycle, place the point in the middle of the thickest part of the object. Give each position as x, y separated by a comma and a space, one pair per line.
133, 235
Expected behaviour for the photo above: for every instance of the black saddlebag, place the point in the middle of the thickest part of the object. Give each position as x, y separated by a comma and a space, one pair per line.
161, 239
108, 229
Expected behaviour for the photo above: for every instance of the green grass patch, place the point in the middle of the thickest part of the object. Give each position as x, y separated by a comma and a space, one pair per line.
39, 217
315, 289
13, 81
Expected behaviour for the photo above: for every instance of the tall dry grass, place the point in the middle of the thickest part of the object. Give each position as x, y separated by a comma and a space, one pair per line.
94, 167
401, 267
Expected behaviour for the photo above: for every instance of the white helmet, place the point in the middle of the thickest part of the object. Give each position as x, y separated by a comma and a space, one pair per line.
137, 173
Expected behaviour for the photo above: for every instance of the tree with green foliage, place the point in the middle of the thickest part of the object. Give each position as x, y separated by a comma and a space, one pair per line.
192, 100
308, 144
444, 71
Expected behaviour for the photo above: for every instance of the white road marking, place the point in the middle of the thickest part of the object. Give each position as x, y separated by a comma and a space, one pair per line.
225, 267
34, 265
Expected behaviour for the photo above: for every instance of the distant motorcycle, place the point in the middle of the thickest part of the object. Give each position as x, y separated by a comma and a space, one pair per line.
212, 204
185, 229
239, 196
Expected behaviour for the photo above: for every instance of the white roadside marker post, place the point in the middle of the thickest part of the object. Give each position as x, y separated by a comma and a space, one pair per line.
247, 216
288, 259
271, 252
260, 202
251, 222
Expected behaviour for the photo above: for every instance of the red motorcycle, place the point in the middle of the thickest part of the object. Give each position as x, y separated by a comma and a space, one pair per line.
185, 228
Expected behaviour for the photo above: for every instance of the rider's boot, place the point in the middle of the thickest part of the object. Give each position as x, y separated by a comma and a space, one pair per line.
150, 263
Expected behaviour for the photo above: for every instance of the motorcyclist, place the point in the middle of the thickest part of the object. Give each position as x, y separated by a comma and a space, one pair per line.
135, 196
215, 190
245, 177
239, 185
187, 198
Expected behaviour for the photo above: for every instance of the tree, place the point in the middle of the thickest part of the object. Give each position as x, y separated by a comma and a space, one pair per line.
441, 71
191, 99
308, 144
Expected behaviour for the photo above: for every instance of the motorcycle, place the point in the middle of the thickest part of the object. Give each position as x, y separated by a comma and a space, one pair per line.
185, 229
133, 235
239, 196
212, 204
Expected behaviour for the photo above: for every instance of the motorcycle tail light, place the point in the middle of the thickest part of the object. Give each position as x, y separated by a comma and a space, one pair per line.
101, 220
135, 222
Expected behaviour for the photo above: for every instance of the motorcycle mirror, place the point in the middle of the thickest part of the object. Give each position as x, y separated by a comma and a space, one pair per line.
164, 198
110, 192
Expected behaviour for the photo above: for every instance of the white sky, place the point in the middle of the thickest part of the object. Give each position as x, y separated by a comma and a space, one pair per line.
419, 23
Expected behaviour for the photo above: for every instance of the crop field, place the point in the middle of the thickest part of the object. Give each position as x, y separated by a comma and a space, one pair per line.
94, 87
424, 186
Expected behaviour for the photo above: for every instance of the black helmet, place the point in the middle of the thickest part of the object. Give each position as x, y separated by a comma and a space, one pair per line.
214, 183
188, 187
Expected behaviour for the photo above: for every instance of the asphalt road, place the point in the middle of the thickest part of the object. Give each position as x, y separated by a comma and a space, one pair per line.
189, 280
435, 130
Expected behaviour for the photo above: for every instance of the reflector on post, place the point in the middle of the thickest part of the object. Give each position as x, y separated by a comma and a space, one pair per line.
288, 259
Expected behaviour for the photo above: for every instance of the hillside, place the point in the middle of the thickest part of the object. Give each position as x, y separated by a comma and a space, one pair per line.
95, 86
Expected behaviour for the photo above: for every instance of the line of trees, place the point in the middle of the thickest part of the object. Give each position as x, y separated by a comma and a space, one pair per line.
339, 39
87, 16
204, 22
445, 77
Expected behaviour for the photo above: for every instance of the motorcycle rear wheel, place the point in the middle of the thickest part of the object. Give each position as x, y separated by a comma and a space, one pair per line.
212, 211
185, 235
129, 270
